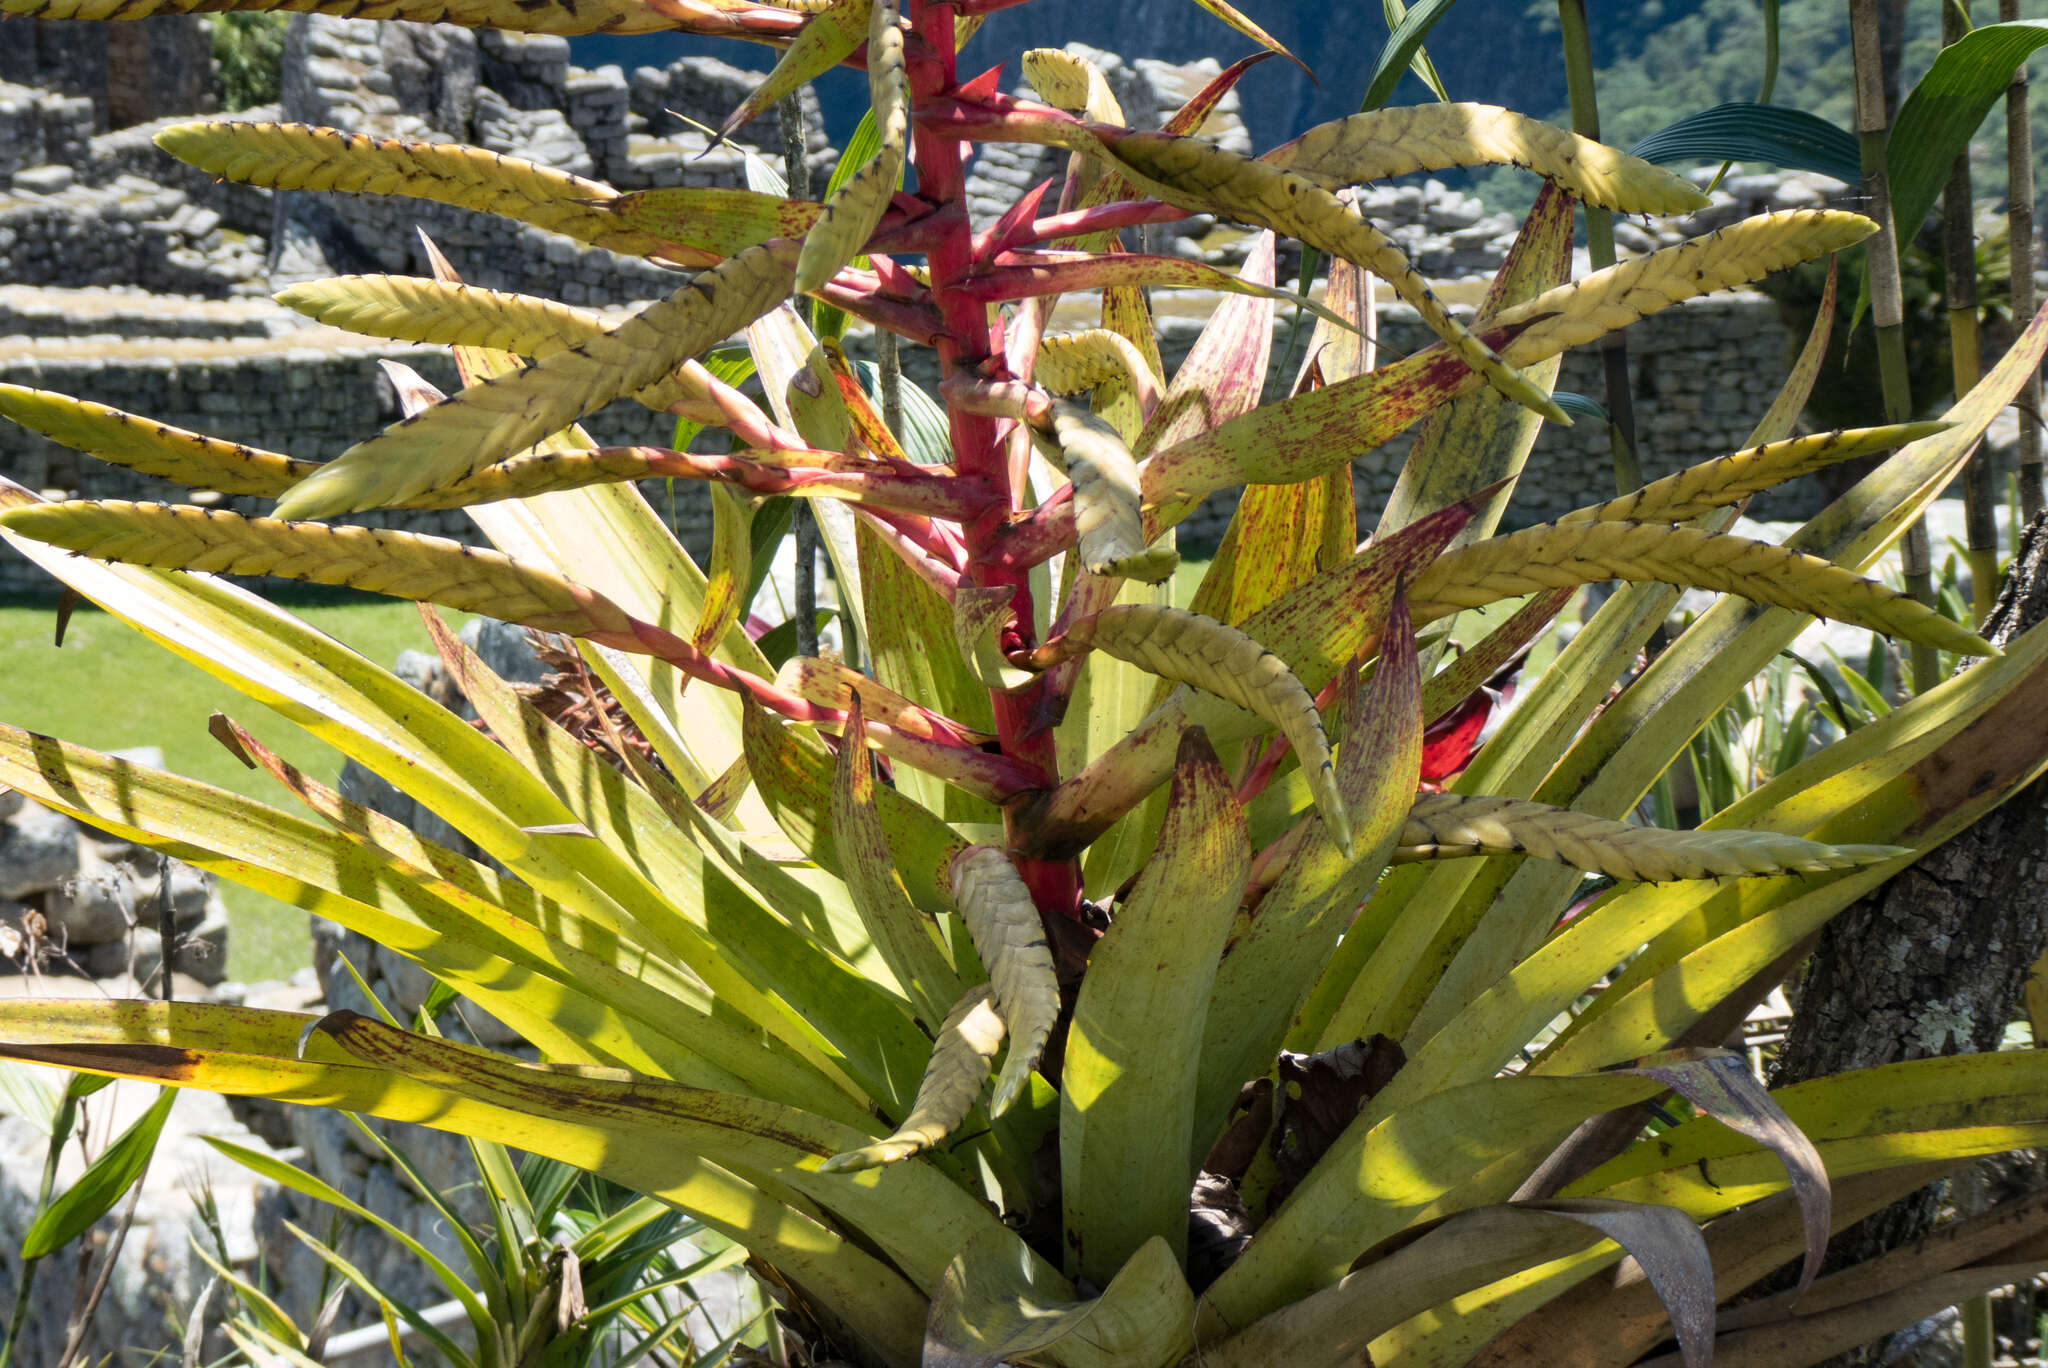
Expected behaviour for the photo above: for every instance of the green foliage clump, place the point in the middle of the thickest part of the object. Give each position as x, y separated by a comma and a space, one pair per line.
248, 48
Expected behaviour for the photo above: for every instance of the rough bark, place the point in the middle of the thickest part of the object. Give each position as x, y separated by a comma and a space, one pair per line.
1933, 963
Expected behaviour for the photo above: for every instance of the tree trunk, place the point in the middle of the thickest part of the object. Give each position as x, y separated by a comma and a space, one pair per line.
1891, 39
1933, 962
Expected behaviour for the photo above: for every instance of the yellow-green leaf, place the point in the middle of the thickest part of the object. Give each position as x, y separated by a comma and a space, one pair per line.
962, 1058
1003, 920
853, 210
903, 936
493, 420
1134, 1047
153, 448
1383, 143
1194, 173
292, 156
1449, 825
997, 1304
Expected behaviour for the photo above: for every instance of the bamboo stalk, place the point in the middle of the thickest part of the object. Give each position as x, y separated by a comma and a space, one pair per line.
2019, 195
796, 173
1887, 308
1959, 253
1980, 523
889, 367
1621, 406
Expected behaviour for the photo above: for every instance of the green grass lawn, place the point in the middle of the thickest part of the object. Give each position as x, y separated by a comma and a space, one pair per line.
111, 688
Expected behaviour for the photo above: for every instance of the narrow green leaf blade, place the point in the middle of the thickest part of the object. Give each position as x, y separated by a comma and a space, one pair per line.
901, 933
1397, 1166
1237, 19
997, 1303
1745, 132
102, 1184
1399, 53
1297, 922
1719, 1084
1937, 120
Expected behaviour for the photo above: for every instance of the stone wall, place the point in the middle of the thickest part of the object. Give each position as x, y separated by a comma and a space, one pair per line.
517, 95
311, 401
330, 1144
127, 73
78, 909
157, 1281
80, 917
1706, 371
76, 901
84, 206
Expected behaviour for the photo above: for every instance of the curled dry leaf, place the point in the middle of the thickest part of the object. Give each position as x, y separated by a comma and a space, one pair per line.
1003, 922
1199, 174
961, 1060
1108, 527
1432, 137
856, 207
402, 564
1447, 826
1554, 555
1189, 648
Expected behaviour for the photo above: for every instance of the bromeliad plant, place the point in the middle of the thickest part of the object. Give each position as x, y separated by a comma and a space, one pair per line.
1271, 1000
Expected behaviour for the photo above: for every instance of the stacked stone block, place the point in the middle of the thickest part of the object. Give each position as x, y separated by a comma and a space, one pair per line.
1447, 234
598, 103
74, 901
42, 128
516, 95
245, 210
127, 231
165, 65
526, 69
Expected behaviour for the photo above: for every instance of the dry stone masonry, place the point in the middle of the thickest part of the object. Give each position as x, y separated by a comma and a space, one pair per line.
76, 902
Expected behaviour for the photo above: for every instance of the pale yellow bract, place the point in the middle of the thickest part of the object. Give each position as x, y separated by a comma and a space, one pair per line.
293, 156
153, 448
453, 314
857, 206
1733, 478
1190, 648
1553, 555
1446, 826
962, 1056
1072, 83
1069, 363
488, 422
1003, 923
586, 16
1108, 527
1200, 175
1609, 300
401, 564
1432, 137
